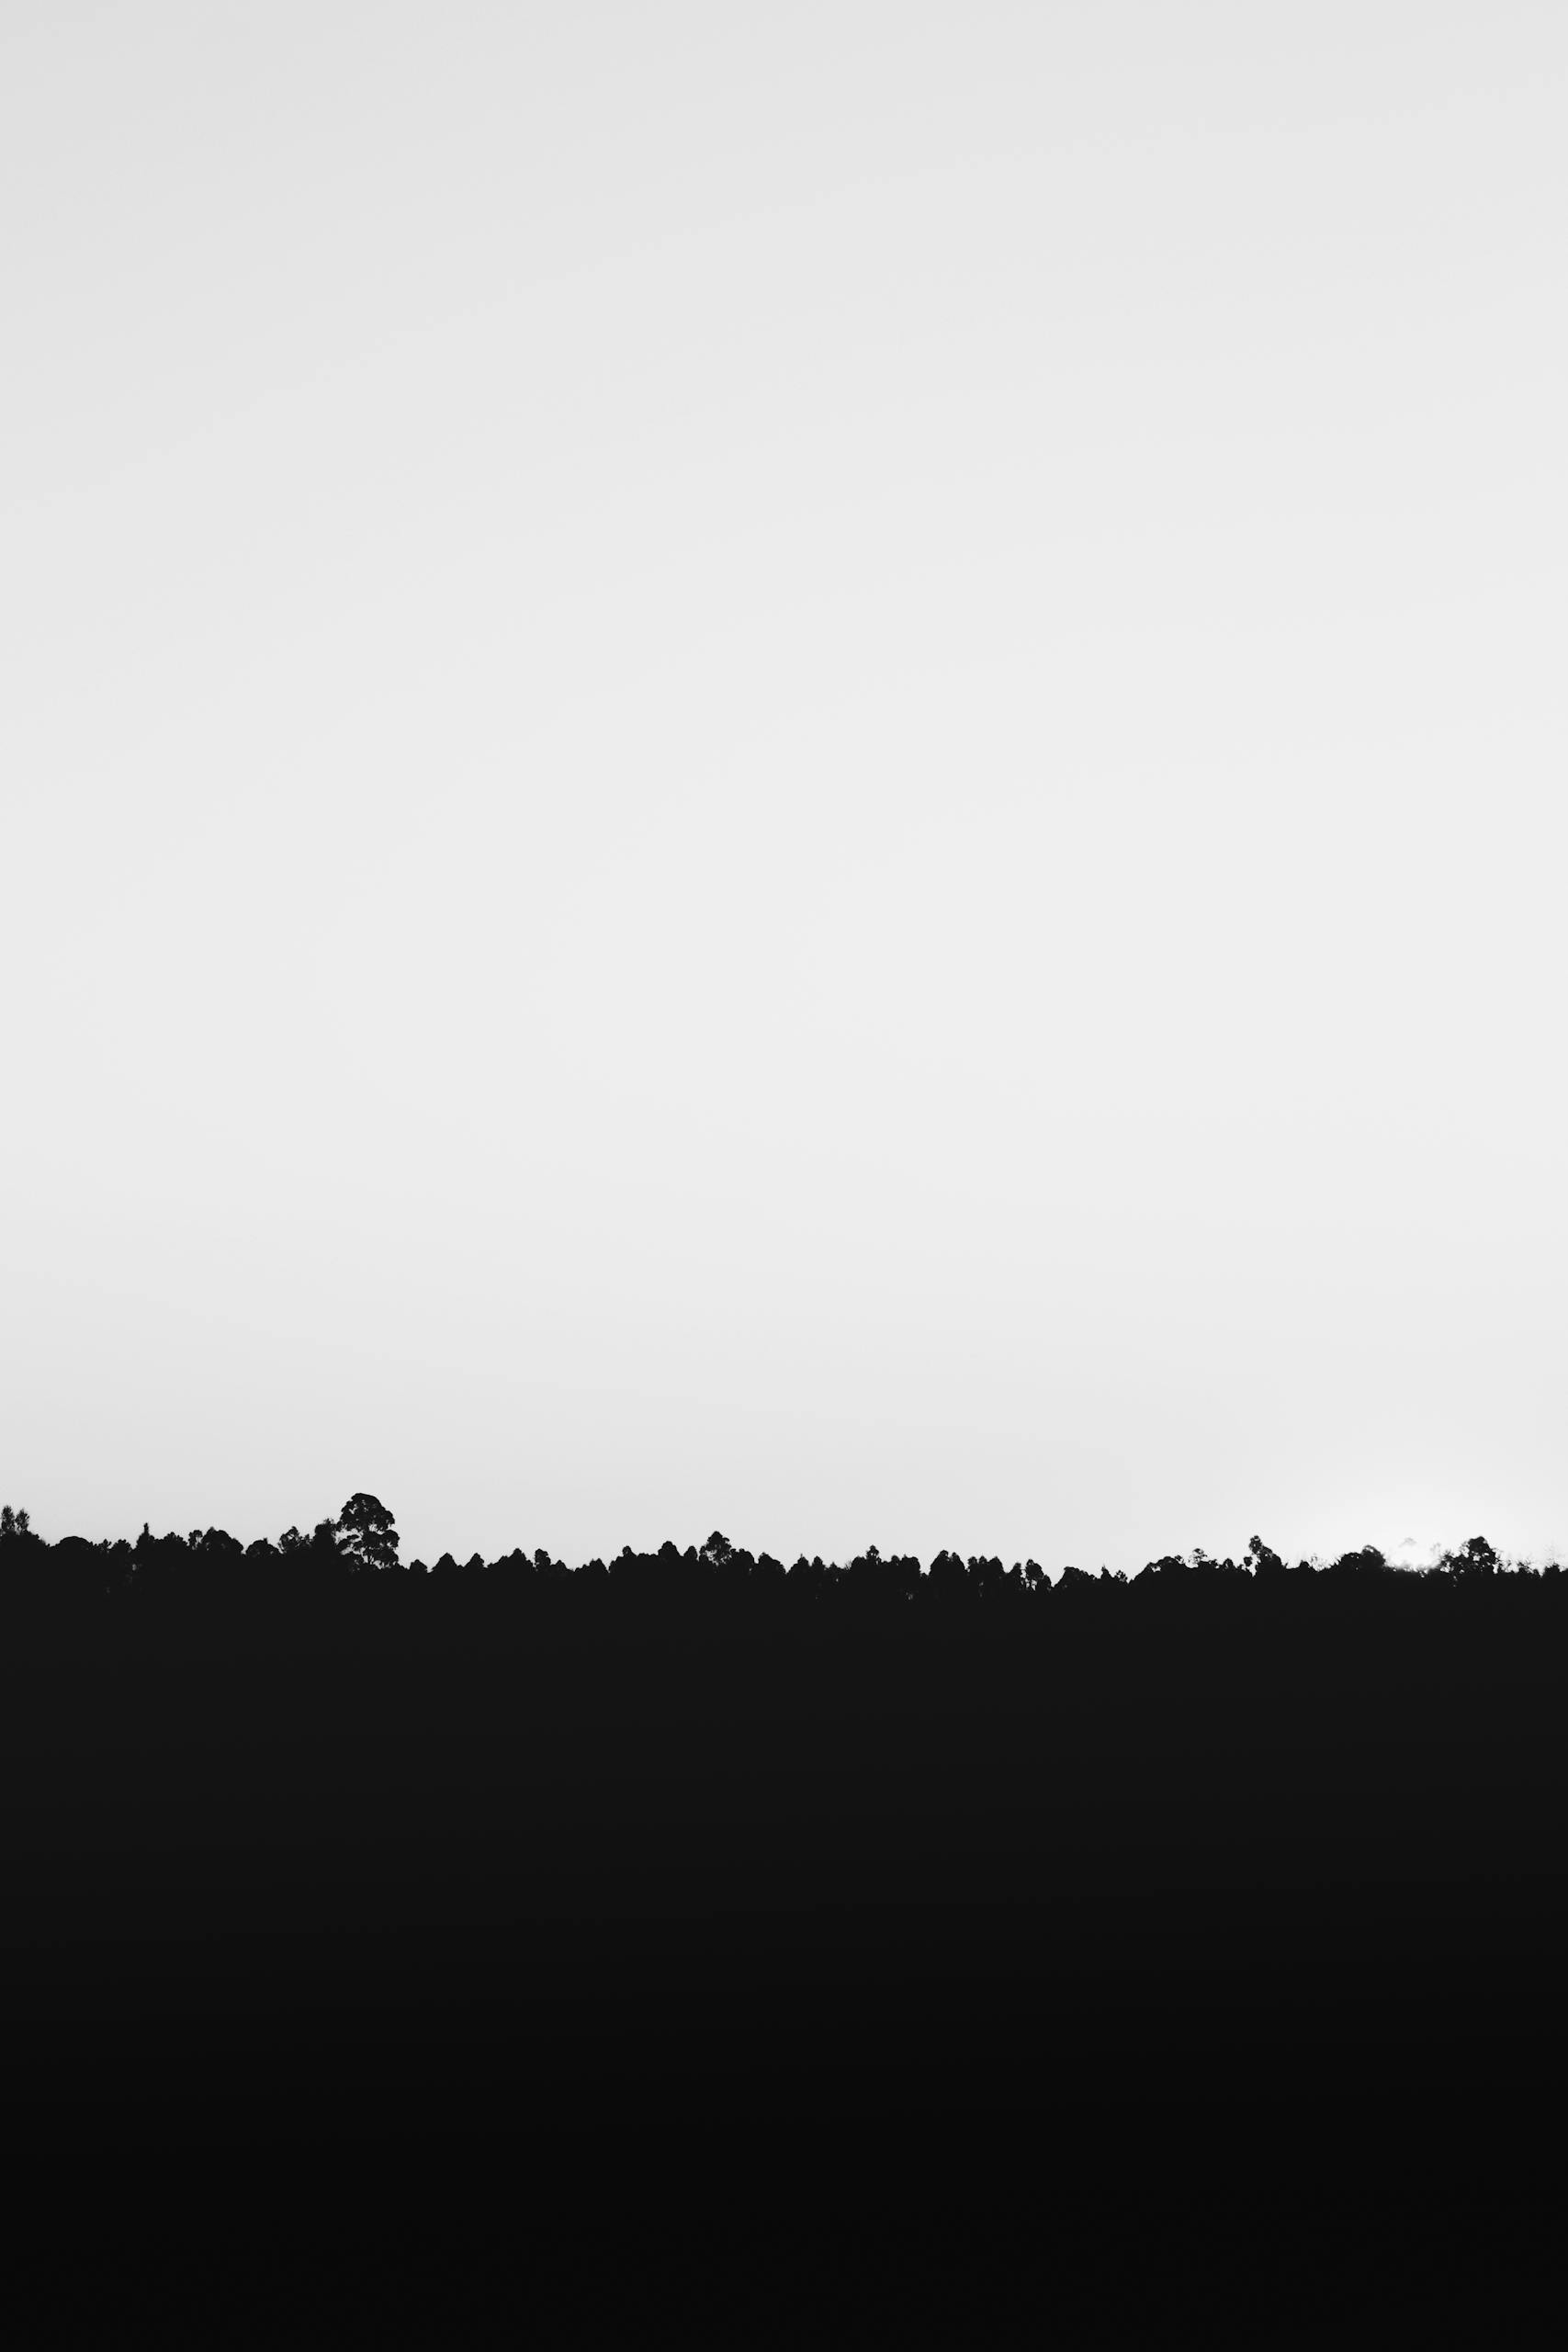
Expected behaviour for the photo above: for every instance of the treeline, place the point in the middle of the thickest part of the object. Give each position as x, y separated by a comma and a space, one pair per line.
354, 1562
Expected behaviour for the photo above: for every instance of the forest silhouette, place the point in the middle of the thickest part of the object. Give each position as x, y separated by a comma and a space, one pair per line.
349, 1570
299, 1839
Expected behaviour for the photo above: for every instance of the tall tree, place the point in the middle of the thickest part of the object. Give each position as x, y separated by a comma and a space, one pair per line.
368, 1535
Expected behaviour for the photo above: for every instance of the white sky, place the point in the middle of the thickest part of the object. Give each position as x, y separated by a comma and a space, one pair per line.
799, 768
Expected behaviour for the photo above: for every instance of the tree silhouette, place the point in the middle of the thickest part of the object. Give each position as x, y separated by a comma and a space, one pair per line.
1476, 1558
367, 1532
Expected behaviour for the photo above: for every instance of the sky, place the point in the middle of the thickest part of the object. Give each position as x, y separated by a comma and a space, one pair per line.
789, 768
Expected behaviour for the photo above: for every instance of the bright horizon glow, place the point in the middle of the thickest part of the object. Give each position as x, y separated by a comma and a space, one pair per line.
801, 771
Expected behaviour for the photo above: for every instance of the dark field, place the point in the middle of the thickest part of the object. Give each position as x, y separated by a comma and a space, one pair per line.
1201, 1973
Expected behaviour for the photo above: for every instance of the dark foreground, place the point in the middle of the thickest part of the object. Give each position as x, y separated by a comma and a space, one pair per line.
798, 1984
